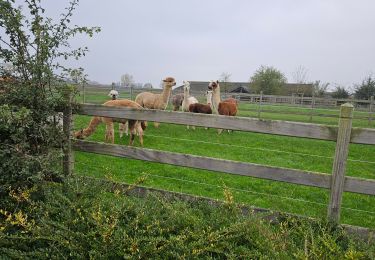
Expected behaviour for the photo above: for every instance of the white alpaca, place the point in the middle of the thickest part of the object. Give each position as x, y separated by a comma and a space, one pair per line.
188, 100
113, 94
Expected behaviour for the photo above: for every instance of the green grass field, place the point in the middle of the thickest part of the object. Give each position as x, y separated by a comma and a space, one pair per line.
280, 151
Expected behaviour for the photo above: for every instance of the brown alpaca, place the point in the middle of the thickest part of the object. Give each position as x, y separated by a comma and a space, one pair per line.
227, 107
202, 108
134, 125
157, 101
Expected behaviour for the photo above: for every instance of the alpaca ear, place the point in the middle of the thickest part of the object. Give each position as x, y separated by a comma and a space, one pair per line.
217, 81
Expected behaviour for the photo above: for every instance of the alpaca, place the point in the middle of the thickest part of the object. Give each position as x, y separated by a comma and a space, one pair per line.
188, 100
177, 101
134, 125
122, 127
202, 108
227, 107
113, 94
157, 101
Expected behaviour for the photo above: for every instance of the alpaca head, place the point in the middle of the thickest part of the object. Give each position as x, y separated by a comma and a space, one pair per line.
169, 82
186, 86
209, 96
113, 94
79, 134
213, 85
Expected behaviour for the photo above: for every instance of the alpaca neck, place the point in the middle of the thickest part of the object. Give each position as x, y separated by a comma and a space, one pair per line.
209, 99
165, 94
186, 94
95, 121
216, 98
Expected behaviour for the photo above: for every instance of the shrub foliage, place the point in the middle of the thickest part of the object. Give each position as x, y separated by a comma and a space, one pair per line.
32, 90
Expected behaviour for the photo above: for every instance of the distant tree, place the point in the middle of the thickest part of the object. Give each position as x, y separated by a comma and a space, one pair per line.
225, 78
268, 79
127, 80
366, 89
300, 75
147, 85
320, 88
78, 76
340, 92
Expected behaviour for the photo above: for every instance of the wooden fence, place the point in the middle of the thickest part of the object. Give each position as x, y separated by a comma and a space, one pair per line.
262, 102
343, 134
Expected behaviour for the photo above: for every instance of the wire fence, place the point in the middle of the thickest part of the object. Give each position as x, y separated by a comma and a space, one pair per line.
110, 170
255, 148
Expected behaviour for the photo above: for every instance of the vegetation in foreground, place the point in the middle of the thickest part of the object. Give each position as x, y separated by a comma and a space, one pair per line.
78, 220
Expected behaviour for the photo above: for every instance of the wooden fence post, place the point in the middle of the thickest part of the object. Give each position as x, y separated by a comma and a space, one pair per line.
293, 101
68, 160
260, 103
370, 110
339, 164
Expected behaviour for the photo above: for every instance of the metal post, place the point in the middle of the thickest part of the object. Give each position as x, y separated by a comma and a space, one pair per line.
260, 103
312, 106
370, 110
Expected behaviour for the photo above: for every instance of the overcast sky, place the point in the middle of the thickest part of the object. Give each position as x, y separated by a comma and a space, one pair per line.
198, 40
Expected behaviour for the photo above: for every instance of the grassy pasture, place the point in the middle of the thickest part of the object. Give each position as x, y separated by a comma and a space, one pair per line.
288, 152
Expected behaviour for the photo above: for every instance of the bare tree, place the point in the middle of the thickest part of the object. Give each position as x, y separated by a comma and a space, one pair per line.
225, 78
300, 75
127, 80
320, 88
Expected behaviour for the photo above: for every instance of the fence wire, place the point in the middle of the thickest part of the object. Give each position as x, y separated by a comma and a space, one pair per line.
255, 148
227, 187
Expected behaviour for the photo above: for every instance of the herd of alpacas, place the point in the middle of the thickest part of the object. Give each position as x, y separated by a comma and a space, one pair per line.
148, 100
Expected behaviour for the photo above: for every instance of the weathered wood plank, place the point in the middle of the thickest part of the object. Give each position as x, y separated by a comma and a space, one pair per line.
355, 185
277, 127
339, 164
362, 136
206, 163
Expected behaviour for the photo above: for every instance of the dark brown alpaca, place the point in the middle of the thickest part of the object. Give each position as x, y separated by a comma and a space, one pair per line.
200, 108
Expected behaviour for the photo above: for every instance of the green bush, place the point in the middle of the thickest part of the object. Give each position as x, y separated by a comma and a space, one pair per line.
76, 221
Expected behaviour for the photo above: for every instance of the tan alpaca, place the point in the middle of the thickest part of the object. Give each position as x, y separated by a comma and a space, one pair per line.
134, 125
157, 101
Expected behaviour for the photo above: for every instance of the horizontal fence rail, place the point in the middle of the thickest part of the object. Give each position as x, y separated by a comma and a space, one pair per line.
306, 178
277, 127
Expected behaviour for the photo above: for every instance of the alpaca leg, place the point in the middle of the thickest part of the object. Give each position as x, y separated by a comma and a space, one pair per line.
132, 124
121, 129
127, 128
219, 131
156, 124
193, 127
109, 133
140, 133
